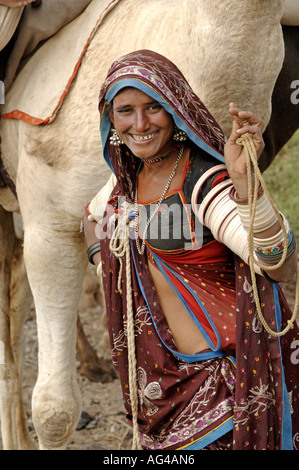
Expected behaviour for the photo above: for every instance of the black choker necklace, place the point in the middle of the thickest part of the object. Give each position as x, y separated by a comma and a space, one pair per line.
160, 159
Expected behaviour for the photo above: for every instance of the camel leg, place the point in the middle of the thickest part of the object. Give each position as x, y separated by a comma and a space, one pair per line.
8, 371
13, 295
54, 264
20, 304
52, 190
55, 261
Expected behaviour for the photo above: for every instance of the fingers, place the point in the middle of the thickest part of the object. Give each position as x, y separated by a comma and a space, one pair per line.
246, 122
246, 125
253, 130
245, 118
25, 2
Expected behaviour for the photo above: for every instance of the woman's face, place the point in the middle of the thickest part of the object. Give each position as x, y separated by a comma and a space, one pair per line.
142, 123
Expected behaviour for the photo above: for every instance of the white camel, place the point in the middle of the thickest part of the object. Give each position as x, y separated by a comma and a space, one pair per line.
229, 50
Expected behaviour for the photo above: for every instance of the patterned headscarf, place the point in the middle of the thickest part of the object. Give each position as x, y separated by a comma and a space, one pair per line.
160, 79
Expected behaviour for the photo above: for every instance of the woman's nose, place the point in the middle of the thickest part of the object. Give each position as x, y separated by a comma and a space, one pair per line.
141, 121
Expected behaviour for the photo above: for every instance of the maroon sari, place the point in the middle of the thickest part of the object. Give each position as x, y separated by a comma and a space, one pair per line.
200, 401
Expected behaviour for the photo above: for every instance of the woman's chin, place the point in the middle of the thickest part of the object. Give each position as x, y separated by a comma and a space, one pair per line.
143, 149
149, 149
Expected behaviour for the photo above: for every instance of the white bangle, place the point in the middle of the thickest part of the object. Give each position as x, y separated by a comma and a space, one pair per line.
99, 269
261, 244
264, 218
219, 213
198, 186
217, 190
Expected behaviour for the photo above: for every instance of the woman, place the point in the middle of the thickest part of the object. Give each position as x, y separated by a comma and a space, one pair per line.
204, 364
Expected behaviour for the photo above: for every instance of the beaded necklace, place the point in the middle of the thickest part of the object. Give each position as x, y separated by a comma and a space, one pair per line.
163, 157
141, 248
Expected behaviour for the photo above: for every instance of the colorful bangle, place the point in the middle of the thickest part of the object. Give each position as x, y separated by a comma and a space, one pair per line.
274, 256
273, 249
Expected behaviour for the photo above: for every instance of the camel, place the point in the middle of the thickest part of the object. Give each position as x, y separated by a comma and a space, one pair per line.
284, 119
229, 51
290, 15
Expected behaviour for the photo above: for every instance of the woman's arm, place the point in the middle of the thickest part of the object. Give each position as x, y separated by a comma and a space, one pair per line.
235, 159
96, 210
91, 237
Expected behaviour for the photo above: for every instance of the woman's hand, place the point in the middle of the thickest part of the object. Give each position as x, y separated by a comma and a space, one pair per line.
235, 156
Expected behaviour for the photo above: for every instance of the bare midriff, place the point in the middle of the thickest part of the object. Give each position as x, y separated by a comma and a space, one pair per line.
187, 337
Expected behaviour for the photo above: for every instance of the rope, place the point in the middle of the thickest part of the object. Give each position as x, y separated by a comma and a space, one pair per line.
120, 247
251, 161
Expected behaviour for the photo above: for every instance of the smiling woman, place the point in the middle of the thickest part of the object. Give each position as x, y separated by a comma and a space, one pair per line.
179, 307
142, 123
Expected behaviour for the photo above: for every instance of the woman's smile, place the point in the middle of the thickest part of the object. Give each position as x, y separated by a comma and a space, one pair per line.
142, 123
143, 138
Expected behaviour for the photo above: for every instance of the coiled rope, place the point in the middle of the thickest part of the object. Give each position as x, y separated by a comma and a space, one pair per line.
251, 163
120, 247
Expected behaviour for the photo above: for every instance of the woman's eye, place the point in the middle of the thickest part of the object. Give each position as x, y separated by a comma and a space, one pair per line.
155, 107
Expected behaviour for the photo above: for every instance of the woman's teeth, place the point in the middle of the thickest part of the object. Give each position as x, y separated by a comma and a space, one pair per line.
142, 138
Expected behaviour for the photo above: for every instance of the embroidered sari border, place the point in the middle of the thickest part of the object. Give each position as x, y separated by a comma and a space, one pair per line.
198, 443
211, 436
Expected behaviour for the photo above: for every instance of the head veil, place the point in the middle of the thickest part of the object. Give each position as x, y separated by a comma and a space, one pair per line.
160, 79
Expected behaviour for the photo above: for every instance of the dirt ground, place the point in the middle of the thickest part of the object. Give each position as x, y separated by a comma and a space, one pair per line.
102, 425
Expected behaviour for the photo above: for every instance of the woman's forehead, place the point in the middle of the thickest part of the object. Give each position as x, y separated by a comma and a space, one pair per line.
131, 95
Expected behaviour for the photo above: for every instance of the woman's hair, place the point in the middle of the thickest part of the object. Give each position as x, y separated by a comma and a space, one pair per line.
109, 108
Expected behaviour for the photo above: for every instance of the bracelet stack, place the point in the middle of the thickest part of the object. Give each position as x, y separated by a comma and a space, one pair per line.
265, 216
267, 250
270, 251
92, 250
228, 218
219, 213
